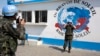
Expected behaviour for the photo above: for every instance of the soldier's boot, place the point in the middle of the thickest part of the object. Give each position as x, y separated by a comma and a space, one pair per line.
64, 47
69, 49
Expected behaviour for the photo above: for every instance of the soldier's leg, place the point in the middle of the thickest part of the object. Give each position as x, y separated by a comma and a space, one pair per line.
22, 42
65, 45
69, 46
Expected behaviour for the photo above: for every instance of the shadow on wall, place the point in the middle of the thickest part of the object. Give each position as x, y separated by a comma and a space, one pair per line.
35, 29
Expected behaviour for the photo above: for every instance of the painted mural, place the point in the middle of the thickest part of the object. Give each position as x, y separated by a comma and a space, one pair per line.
76, 11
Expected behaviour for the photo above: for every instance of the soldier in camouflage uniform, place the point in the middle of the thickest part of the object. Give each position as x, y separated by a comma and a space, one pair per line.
9, 31
68, 36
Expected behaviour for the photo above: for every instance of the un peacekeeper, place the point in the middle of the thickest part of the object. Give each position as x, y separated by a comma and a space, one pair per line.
9, 31
68, 36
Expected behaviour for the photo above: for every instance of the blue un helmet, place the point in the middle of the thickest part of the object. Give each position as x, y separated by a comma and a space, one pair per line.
9, 10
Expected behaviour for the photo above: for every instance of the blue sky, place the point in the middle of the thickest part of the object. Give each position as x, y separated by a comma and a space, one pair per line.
3, 3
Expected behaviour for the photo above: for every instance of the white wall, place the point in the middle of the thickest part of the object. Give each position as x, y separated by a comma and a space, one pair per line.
0, 11
94, 36
49, 30
42, 30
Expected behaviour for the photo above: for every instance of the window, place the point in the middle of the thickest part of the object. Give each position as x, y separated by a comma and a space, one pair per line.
27, 15
41, 16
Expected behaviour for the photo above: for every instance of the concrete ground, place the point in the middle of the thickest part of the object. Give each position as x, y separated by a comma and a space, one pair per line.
46, 50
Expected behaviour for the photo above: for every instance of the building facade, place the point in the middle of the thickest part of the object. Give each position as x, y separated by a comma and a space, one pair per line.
45, 19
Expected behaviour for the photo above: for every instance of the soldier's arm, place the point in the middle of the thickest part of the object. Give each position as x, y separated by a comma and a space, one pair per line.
21, 28
73, 27
10, 30
65, 26
14, 32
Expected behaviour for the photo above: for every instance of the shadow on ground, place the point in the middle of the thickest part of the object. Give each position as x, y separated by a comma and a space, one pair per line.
56, 48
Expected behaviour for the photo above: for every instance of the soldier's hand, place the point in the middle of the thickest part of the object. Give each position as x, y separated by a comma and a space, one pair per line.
22, 22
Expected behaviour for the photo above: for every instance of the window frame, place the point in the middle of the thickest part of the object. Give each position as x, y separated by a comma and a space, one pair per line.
41, 16
27, 15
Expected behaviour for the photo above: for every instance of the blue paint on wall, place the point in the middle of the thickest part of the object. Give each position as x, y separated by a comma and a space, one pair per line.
76, 44
86, 45
26, 1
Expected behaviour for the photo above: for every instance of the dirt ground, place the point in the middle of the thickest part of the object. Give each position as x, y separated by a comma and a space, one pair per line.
45, 50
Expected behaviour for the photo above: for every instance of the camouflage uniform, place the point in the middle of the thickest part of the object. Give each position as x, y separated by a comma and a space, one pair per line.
68, 37
9, 36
